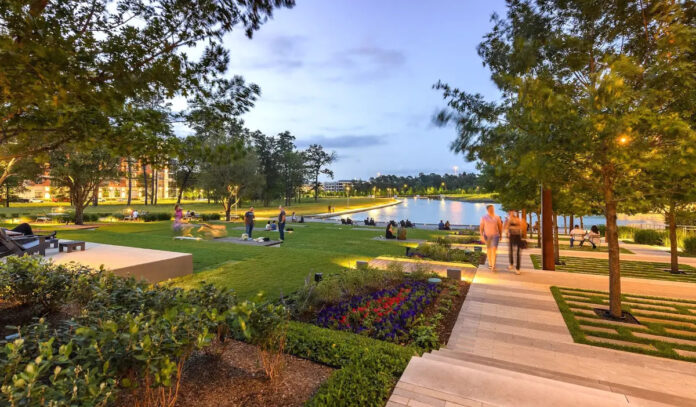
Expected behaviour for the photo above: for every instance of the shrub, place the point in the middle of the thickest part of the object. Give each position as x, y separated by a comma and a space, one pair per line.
129, 335
368, 368
443, 252
690, 245
209, 216
267, 327
35, 281
157, 216
348, 283
648, 236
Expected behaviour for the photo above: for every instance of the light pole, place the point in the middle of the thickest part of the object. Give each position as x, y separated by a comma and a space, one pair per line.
348, 194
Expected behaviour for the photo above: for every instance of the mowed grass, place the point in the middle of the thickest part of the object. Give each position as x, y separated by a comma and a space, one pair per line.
311, 248
307, 207
667, 325
637, 269
588, 248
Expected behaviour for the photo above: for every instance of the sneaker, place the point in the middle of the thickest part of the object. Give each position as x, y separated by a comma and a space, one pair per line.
511, 267
493, 269
517, 272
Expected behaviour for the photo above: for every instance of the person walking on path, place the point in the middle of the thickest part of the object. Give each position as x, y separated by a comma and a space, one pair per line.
281, 223
490, 229
513, 225
249, 221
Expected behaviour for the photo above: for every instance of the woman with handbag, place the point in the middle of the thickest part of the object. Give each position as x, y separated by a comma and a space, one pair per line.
513, 225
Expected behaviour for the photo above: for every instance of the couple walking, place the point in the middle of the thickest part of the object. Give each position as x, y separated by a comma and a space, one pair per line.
492, 228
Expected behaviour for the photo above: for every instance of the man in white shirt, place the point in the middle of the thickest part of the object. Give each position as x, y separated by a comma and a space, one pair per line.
577, 235
490, 229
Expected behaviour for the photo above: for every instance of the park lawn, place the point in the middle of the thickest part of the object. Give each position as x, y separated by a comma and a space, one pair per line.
588, 248
667, 325
629, 268
308, 207
311, 248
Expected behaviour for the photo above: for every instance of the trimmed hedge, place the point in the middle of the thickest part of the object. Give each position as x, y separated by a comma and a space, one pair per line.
368, 368
690, 245
648, 236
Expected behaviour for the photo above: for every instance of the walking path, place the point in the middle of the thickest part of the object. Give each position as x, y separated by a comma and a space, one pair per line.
511, 347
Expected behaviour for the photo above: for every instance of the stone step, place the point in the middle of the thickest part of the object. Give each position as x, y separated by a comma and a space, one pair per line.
634, 393
592, 362
441, 382
519, 345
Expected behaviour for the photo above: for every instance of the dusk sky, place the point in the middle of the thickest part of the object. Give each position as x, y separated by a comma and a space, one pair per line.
356, 76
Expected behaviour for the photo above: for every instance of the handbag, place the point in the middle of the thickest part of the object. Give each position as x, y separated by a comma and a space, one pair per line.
523, 244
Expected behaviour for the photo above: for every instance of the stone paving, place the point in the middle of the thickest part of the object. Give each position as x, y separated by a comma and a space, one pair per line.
511, 347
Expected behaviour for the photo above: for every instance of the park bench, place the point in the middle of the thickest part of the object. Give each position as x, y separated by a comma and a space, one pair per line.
71, 246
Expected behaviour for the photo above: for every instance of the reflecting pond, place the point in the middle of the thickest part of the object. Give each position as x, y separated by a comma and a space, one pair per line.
428, 210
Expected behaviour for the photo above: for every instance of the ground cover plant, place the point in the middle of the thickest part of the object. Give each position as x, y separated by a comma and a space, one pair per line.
441, 250
637, 269
667, 325
389, 305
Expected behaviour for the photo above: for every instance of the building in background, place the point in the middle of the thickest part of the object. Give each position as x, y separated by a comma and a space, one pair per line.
337, 186
42, 191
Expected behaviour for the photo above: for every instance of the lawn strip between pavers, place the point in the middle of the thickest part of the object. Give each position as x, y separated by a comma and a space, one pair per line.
629, 268
669, 334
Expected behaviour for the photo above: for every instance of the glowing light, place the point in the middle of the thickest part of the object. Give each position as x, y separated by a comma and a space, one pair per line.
623, 139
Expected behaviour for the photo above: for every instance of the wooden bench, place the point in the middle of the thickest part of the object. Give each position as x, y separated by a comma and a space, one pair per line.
71, 246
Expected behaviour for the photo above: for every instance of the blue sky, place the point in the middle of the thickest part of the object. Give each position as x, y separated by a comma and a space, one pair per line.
356, 76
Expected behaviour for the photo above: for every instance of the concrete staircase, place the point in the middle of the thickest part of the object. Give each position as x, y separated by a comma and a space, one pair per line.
511, 347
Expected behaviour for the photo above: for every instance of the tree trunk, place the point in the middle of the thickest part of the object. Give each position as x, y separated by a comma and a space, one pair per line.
612, 239
183, 186
155, 187
556, 230
565, 225
524, 223
79, 203
7, 195
571, 223
582, 225
95, 196
130, 181
145, 191
673, 244
316, 188
547, 249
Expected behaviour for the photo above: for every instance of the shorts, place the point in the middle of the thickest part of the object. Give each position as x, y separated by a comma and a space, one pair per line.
492, 241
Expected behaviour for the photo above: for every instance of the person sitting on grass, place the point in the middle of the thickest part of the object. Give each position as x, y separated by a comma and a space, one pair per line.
401, 233
372, 222
293, 218
577, 235
441, 225
274, 226
367, 221
447, 226
390, 230
268, 226
349, 221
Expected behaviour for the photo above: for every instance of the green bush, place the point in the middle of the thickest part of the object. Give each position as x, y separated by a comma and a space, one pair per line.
648, 236
35, 281
157, 216
690, 245
443, 252
369, 368
128, 336
209, 216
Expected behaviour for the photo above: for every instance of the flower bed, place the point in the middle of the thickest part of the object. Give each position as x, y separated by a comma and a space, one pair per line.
386, 314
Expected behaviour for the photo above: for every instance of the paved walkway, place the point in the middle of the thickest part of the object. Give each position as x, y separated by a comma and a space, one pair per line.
511, 347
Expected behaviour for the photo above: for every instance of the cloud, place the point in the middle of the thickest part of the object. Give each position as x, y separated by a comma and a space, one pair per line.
366, 62
280, 53
345, 141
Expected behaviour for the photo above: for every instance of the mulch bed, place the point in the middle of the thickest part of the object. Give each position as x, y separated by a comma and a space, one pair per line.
447, 324
231, 375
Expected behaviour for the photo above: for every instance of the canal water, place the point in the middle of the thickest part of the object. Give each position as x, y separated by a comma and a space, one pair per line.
432, 210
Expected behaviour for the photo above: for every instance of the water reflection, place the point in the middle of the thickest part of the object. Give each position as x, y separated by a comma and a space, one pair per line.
469, 213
